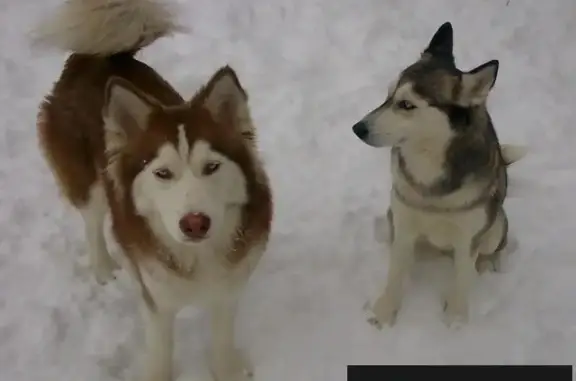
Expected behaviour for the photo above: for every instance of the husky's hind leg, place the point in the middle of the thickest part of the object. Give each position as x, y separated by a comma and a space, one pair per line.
93, 213
494, 245
69, 157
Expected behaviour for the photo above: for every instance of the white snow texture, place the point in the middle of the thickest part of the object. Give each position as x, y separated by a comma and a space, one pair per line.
312, 69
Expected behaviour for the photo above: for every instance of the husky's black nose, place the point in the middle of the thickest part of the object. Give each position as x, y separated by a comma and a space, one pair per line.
361, 130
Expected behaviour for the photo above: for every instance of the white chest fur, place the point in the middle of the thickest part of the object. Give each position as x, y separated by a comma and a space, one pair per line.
442, 230
213, 278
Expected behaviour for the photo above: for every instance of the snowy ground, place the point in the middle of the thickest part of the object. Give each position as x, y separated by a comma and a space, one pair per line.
313, 68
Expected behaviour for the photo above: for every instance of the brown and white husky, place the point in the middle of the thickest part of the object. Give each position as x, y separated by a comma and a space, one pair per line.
188, 197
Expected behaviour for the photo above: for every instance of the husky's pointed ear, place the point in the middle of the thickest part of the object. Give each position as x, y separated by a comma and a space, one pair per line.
442, 43
126, 110
125, 113
477, 83
227, 101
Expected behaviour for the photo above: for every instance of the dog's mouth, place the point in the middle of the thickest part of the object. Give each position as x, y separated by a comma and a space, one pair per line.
188, 239
374, 139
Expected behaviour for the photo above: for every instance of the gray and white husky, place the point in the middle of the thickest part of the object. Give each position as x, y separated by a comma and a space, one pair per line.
449, 175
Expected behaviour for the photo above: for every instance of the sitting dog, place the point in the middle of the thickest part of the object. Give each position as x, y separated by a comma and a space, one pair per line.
449, 172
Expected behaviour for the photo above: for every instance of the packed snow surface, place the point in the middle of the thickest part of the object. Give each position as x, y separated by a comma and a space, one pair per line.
312, 69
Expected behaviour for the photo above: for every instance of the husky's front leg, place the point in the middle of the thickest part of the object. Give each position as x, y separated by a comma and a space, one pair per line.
456, 304
388, 304
159, 335
228, 363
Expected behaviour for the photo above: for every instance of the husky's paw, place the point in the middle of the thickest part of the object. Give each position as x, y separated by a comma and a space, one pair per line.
103, 267
488, 263
232, 366
455, 322
455, 314
149, 373
384, 312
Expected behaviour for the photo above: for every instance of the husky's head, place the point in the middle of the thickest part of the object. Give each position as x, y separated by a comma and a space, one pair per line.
187, 169
430, 100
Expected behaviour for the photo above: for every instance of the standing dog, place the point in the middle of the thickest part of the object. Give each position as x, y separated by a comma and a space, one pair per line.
189, 199
448, 171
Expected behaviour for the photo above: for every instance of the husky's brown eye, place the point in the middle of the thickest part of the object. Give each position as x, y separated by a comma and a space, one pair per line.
210, 168
405, 105
164, 174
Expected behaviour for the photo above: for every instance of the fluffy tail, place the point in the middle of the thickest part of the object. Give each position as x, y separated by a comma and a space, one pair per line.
106, 27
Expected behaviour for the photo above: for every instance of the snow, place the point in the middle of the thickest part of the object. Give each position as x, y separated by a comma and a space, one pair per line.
312, 68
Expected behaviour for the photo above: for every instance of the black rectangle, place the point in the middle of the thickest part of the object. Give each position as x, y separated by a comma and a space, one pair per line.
458, 372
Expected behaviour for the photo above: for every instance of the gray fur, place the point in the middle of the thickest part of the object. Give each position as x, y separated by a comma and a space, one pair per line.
449, 170
473, 155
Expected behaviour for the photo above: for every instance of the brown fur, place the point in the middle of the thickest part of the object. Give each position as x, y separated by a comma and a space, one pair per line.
102, 81
70, 129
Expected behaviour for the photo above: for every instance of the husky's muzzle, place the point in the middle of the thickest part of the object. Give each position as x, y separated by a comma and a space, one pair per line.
362, 130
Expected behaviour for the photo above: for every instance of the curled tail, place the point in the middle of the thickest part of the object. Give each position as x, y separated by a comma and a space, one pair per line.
106, 27
511, 153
